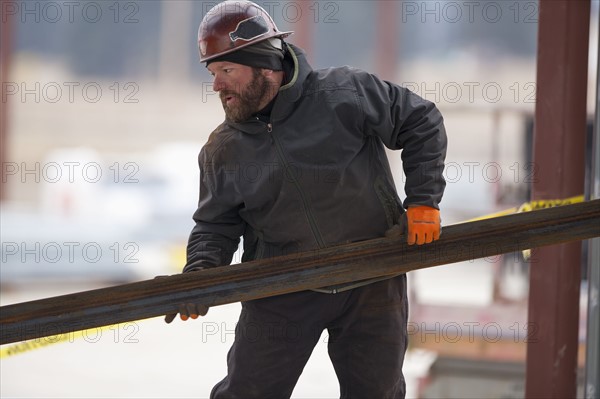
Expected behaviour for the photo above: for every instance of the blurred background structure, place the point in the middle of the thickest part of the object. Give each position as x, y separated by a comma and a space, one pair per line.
105, 108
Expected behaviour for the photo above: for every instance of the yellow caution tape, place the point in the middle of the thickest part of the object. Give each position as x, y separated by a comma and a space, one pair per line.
542, 204
27, 346
178, 257
90, 335
532, 206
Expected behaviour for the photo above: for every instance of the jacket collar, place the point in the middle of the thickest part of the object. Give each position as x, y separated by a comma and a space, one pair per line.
292, 90
288, 94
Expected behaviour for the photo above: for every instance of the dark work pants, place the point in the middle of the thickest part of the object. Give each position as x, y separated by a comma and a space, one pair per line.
275, 337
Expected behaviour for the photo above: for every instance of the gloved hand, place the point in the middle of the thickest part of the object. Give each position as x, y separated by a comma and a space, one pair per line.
187, 310
423, 224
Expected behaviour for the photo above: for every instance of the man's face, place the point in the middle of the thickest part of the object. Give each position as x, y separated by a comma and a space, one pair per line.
243, 90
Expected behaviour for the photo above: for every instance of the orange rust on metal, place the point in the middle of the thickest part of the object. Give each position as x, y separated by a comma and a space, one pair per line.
559, 156
297, 272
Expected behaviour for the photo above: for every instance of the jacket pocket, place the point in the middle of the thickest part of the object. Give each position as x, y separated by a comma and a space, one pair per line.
254, 245
387, 198
260, 247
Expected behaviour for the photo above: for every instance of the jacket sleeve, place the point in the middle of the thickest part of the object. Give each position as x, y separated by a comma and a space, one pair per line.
216, 234
404, 121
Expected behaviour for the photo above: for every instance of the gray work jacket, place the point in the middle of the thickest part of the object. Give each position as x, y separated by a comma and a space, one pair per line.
316, 174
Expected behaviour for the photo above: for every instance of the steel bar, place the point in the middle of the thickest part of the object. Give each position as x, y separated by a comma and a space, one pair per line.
297, 272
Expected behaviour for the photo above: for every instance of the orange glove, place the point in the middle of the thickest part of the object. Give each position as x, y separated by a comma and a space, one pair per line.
423, 224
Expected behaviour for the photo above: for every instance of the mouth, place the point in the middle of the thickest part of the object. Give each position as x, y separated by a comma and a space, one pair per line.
228, 99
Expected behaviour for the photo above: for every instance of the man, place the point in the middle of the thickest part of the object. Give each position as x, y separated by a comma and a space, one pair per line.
299, 164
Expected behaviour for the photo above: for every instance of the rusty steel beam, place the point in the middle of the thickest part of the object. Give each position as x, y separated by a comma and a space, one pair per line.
559, 158
297, 272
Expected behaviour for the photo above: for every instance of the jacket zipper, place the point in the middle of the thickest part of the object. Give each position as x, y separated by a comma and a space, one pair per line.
311, 219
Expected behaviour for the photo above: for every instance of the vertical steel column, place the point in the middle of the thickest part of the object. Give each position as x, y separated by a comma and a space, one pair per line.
302, 16
592, 358
558, 154
5, 51
174, 52
386, 41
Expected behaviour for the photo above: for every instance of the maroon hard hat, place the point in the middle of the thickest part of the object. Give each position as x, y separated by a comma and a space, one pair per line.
232, 25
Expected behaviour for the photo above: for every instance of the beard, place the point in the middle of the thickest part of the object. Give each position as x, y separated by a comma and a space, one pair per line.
248, 99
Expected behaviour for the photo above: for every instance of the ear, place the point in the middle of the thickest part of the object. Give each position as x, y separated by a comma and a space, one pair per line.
275, 77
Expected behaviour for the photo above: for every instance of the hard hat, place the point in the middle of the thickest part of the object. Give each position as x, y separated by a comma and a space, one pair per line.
232, 25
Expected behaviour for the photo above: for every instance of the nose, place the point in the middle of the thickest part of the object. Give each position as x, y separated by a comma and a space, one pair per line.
218, 83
